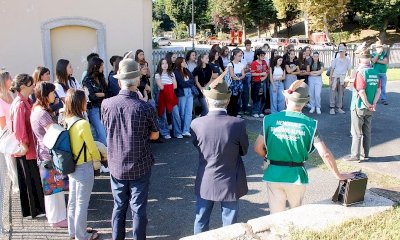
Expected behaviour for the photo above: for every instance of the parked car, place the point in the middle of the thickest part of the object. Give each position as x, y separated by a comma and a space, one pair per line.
162, 41
300, 43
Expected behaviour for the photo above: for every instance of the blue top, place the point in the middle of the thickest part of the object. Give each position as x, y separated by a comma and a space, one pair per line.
182, 82
113, 87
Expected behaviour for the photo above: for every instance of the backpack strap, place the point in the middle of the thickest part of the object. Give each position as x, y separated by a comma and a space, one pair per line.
83, 148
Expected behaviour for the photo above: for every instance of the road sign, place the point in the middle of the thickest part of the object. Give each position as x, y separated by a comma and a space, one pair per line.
192, 30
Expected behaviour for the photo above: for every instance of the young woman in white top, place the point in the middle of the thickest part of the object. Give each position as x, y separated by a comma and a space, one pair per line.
167, 100
277, 75
236, 71
64, 79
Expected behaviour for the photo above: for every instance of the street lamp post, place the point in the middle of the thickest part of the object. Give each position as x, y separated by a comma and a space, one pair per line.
192, 24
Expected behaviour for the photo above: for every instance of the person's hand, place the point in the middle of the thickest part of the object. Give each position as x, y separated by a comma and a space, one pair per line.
344, 176
23, 149
371, 108
100, 94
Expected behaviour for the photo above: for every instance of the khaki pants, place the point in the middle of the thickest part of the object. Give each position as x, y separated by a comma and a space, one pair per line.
361, 124
336, 92
278, 193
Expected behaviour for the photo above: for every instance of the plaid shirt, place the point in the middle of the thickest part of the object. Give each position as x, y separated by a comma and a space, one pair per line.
128, 122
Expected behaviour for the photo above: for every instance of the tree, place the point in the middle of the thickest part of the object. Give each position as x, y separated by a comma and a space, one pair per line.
262, 14
159, 15
287, 12
180, 11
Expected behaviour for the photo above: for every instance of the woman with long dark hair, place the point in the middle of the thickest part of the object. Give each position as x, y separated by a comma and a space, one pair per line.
237, 74
224, 58
42, 74
41, 119
185, 83
277, 76
171, 58
31, 192
259, 72
315, 83
64, 79
167, 100
97, 87
202, 77
214, 64
191, 60
81, 181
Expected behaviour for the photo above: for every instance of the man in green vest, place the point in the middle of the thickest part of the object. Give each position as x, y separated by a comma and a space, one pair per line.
380, 60
286, 141
366, 93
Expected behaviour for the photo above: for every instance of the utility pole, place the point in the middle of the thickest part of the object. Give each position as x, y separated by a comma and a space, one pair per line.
193, 24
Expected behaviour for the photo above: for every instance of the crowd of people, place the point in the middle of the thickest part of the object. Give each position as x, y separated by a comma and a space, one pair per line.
125, 110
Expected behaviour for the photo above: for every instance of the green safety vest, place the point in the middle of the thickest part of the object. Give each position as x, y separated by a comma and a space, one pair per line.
382, 68
288, 137
372, 83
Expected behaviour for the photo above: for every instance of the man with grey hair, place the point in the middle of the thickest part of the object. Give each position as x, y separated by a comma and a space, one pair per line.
130, 124
287, 138
221, 141
366, 93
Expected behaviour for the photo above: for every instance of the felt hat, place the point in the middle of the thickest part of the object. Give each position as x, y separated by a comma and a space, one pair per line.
297, 92
128, 69
218, 89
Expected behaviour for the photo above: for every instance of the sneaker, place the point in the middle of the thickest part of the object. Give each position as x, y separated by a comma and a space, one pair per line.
41, 215
179, 136
385, 103
238, 116
241, 113
261, 115
312, 110
341, 111
104, 169
255, 115
350, 158
318, 111
167, 136
187, 134
332, 111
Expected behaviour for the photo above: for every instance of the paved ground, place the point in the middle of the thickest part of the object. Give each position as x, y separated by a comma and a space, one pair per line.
171, 203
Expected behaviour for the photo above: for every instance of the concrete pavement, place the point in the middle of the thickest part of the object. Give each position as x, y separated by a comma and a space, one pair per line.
171, 200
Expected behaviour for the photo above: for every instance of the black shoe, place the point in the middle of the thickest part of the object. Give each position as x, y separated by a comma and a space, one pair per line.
350, 158
385, 103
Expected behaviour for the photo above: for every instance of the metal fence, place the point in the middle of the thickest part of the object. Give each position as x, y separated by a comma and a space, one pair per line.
326, 55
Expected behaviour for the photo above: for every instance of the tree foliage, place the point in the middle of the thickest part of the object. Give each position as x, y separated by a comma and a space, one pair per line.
159, 15
262, 13
180, 11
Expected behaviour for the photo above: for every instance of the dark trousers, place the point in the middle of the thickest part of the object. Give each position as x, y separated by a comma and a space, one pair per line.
133, 193
30, 186
256, 97
233, 106
266, 101
361, 124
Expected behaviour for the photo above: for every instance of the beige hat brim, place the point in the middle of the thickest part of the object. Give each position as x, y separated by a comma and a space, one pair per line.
216, 96
128, 75
291, 97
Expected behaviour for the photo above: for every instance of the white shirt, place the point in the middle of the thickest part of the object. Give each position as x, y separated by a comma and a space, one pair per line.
237, 67
71, 84
278, 72
165, 78
248, 56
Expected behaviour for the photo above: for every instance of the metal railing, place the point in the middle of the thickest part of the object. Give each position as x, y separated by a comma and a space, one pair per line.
326, 55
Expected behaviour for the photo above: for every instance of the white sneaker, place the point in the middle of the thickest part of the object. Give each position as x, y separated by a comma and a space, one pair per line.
255, 115
179, 136
312, 110
104, 169
261, 115
341, 111
167, 136
187, 134
332, 111
318, 111
238, 116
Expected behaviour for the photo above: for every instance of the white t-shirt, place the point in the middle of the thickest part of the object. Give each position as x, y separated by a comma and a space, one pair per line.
278, 72
248, 56
71, 84
341, 66
225, 61
165, 78
237, 67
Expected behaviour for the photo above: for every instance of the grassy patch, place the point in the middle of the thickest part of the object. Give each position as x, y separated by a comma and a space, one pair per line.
385, 225
393, 74
375, 178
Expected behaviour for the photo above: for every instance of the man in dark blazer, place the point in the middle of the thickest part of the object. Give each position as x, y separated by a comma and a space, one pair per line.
221, 141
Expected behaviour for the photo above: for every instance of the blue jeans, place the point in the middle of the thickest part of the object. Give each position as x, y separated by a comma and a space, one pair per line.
80, 188
203, 212
95, 121
277, 98
185, 109
133, 193
244, 101
383, 79
204, 106
176, 122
